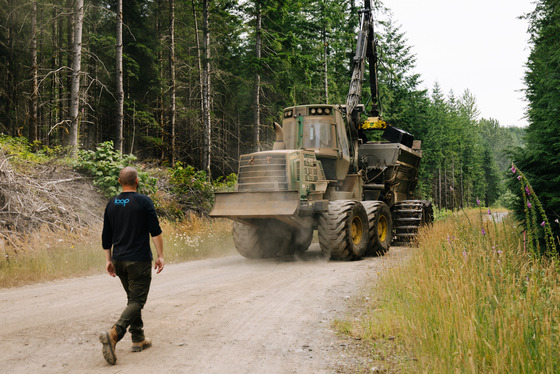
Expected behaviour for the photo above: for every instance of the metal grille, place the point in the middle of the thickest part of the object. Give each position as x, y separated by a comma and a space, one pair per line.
262, 172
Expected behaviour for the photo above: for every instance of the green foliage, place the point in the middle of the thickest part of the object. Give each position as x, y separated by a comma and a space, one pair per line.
20, 146
540, 238
104, 165
508, 200
192, 190
540, 159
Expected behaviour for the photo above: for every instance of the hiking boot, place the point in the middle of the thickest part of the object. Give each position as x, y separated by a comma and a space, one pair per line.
137, 347
109, 340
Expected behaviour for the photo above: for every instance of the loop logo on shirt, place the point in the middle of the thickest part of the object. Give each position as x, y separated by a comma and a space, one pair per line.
121, 201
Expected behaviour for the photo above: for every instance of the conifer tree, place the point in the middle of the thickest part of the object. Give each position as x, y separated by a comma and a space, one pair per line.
540, 159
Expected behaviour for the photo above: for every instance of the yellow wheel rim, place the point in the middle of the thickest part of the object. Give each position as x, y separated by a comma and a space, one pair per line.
357, 230
382, 228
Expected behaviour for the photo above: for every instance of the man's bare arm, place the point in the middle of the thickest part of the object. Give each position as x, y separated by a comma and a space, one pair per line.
109, 264
160, 263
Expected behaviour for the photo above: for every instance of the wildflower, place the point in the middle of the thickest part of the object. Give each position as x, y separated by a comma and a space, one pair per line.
519, 177
489, 212
513, 169
556, 220
478, 202
543, 224
527, 190
483, 232
529, 204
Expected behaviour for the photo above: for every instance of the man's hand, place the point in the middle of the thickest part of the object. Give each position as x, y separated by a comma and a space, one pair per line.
109, 264
158, 242
159, 264
110, 269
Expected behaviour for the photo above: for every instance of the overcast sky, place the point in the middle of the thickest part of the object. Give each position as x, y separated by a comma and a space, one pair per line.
479, 45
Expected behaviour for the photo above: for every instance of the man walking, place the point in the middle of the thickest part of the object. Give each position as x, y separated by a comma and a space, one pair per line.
130, 218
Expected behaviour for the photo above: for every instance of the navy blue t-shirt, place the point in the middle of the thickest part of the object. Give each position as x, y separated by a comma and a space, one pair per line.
130, 218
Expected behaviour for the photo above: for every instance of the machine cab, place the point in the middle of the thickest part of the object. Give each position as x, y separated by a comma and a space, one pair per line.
319, 128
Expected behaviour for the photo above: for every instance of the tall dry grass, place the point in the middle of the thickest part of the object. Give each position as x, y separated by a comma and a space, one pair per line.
472, 300
47, 255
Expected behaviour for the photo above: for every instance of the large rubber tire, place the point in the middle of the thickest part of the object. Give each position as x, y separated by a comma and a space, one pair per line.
257, 242
380, 227
343, 230
301, 240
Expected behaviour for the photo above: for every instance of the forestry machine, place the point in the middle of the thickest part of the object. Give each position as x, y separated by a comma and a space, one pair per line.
322, 174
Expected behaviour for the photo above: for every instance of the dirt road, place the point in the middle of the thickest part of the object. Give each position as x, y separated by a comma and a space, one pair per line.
227, 315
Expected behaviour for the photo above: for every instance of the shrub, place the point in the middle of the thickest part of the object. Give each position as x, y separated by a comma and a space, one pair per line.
191, 188
104, 164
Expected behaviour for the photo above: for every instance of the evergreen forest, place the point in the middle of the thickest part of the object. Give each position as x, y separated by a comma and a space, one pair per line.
201, 82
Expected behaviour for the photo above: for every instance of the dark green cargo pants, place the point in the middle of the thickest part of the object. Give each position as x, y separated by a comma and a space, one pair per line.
135, 278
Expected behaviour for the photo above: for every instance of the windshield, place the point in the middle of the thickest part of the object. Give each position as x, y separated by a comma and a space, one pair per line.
318, 133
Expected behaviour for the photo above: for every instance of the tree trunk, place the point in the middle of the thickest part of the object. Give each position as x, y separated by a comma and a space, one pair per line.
161, 110
11, 70
207, 153
325, 55
199, 61
34, 74
76, 70
119, 72
172, 80
257, 90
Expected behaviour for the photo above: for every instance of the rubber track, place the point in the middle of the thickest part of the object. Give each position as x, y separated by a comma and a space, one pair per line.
407, 219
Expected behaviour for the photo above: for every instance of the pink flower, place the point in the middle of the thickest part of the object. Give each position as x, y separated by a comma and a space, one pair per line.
519, 177
489, 212
543, 224
529, 204
513, 169
477, 202
527, 190
483, 232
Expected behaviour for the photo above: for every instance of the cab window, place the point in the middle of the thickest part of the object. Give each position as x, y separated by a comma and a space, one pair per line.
318, 134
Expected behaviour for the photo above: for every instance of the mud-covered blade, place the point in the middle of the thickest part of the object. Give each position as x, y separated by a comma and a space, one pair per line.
255, 204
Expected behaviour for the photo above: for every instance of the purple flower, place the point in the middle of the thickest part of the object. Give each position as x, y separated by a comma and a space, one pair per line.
477, 202
519, 177
527, 190
513, 169
483, 231
529, 204
489, 212
543, 224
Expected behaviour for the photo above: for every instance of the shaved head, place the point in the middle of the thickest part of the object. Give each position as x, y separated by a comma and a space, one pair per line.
128, 176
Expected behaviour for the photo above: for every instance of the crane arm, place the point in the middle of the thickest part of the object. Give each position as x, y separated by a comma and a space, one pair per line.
365, 49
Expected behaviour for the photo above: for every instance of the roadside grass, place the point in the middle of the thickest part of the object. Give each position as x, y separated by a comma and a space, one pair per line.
472, 299
48, 255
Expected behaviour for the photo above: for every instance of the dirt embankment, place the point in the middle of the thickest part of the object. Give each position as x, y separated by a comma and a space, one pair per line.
228, 315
